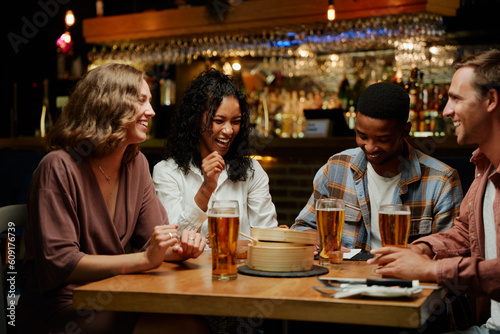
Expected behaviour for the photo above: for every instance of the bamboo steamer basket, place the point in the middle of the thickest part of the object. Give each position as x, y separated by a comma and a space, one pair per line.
284, 235
281, 250
281, 259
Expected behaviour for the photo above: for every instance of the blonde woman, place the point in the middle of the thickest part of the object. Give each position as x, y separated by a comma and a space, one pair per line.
90, 197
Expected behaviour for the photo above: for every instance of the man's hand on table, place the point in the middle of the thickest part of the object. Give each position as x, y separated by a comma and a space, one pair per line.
410, 263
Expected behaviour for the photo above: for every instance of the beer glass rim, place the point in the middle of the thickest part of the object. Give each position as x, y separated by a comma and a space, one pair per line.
224, 205
333, 200
394, 207
229, 203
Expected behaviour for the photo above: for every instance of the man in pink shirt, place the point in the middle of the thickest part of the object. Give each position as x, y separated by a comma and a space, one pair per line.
465, 259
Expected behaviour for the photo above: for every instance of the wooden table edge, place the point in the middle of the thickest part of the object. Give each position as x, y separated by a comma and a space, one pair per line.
344, 311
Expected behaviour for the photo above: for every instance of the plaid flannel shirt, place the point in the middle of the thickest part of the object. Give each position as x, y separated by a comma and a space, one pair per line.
431, 189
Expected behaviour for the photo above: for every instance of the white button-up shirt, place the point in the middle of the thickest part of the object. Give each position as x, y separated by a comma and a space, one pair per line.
176, 191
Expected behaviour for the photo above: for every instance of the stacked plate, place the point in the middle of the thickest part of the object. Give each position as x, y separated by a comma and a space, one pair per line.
281, 250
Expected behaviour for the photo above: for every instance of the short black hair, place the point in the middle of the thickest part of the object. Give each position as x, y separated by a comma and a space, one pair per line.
385, 100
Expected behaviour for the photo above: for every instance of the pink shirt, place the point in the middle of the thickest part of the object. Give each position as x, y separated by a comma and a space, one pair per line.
460, 251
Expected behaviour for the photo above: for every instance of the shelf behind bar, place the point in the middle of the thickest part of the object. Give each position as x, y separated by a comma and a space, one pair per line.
247, 16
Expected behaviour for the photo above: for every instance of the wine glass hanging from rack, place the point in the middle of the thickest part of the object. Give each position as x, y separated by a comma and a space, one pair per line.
374, 33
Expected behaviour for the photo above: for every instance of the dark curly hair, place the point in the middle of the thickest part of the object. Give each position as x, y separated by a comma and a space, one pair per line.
195, 115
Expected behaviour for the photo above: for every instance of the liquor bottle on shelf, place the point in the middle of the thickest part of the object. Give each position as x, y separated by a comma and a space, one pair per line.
412, 88
264, 119
46, 117
318, 100
331, 100
355, 91
253, 100
428, 104
301, 120
163, 91
167, 89
449, 128
439, 124
310, 103
422, 102
276, 110
344, 92
294, 112
286, 129
351, 117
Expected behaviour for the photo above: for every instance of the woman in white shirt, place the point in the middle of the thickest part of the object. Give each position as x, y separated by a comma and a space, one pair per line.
206, 158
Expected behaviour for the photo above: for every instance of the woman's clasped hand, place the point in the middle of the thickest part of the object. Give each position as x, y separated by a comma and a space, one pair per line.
167, 245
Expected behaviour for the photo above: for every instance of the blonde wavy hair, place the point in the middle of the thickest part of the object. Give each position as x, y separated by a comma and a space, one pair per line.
101, 107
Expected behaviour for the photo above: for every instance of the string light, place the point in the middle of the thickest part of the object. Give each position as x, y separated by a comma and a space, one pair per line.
64, 42
66, 37
69, 18
331, 11
236, 66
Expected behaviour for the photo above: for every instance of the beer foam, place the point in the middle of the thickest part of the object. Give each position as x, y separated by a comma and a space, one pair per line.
404, 213
223, 215
330, 209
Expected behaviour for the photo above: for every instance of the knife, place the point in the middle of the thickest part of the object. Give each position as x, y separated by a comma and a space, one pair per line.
328, 281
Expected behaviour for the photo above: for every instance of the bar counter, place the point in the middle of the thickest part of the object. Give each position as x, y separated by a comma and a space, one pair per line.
290, 164
278, 147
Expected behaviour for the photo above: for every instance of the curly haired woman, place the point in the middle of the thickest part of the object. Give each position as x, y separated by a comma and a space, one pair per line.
206, 158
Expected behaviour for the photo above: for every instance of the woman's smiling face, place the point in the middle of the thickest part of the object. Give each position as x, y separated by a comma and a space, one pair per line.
137, 132
224, 128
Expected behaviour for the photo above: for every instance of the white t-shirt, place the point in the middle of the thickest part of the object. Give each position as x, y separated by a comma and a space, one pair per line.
381, 190
176, 192
490, 247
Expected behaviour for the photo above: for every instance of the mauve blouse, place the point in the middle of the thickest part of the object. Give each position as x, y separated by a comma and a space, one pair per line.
68, 218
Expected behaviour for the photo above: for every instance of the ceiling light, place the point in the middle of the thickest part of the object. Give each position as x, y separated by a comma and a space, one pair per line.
331, 11
69, 18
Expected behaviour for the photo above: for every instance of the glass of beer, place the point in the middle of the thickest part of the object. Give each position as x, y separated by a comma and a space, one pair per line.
330, 215
223, 228
394, 223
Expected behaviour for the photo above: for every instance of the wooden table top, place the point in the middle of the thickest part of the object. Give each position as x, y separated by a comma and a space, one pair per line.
188, 288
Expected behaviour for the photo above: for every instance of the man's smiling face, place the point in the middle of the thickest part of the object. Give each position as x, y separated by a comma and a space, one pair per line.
382, 141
